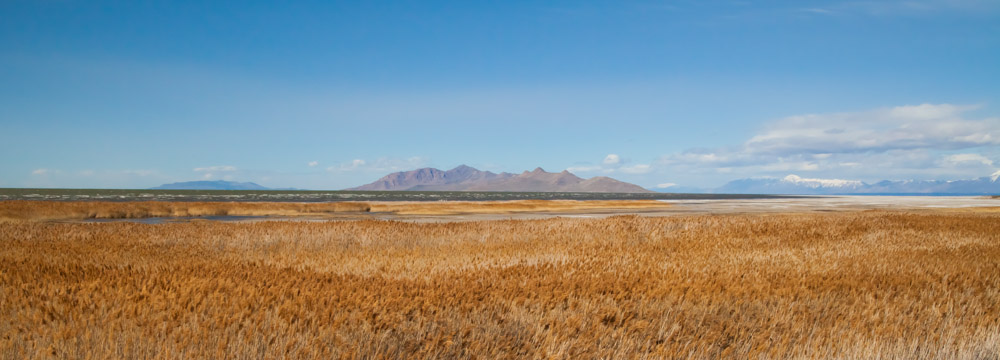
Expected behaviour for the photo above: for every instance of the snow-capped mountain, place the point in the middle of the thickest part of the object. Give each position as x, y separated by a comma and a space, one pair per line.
796, 185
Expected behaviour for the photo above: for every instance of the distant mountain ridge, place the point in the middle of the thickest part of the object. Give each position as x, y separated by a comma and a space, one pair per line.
466, 178
795, 185
212, 185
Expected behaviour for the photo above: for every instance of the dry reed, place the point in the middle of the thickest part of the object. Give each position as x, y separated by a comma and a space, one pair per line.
513, 206
60, 210
840, 285
54, 210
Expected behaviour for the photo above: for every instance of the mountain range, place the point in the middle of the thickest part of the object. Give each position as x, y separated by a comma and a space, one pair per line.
796, 185
466, 178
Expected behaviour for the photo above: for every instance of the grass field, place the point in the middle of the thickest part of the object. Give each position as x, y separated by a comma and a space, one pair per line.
77, 210
847, 285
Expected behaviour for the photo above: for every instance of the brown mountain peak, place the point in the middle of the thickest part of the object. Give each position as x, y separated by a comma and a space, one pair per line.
466, 178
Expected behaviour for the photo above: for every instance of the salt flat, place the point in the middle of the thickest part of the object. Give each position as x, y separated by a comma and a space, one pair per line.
736, 206
836, 203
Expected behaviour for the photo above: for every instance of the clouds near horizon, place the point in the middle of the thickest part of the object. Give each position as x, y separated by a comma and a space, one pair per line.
612, 163
926, 126
382, 164
925, 141
338, 94
936, 139
224, 172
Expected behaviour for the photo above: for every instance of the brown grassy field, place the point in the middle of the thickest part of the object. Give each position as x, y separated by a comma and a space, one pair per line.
66, 210
838, 285
513, 206
54, 210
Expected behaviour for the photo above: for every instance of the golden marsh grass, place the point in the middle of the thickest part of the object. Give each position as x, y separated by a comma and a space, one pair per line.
66, 210
55, 210
836, 285
513, 206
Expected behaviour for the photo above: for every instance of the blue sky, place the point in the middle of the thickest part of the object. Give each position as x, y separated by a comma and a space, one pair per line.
328, 95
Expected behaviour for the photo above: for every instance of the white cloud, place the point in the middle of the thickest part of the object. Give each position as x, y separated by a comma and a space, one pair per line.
583, 169
636, 169
352, 165
141, 173
703, 157
612, 160
211, 172
929, 111
912, 7
817, 11
215, 168
94, 178
782, 166
384, 164
817, 183
936, 127
968, 158
313, 163
923, 126
611, 163
665, 185
912, 141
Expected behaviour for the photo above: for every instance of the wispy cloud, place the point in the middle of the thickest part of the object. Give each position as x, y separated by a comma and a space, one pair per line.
818, 11
380, 164
636, 169
909, 7
349, 166
141, 173
612, 163
313, 163
127, 178
924, 126
224, 172
974, 159
612, 160
888, 140
584, 169
215, 168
